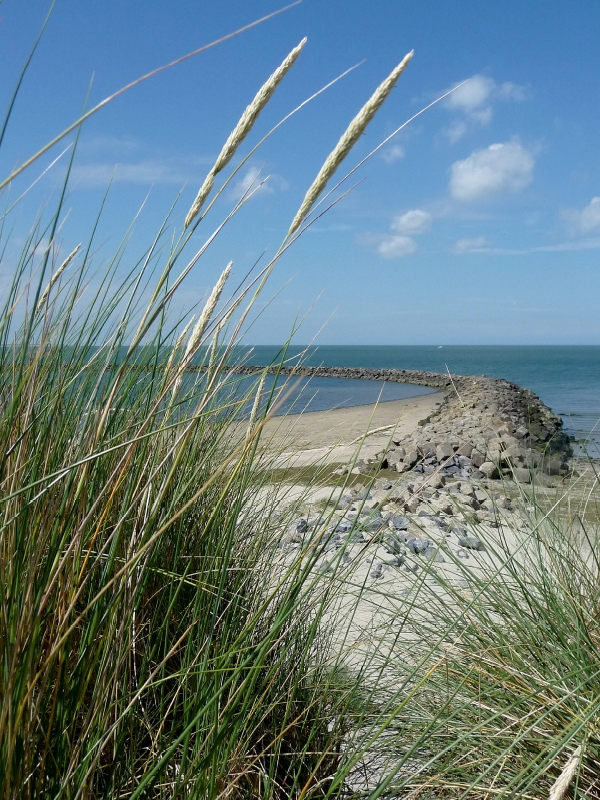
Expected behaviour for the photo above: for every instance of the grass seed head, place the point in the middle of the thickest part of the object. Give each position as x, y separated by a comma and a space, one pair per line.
242, 129
347, 141
56, 276
207, 312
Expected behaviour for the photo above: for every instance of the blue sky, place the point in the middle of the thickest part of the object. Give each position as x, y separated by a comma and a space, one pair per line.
478, 224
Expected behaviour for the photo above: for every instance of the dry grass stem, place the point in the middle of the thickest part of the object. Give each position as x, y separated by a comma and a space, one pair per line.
242, 129
347, 141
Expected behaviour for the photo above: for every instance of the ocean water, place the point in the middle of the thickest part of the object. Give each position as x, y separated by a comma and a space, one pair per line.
566, 378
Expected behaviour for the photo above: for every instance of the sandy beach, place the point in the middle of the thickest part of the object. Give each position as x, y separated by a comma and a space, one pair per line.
330, 437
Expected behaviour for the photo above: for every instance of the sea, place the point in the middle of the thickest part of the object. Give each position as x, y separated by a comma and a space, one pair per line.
566, 378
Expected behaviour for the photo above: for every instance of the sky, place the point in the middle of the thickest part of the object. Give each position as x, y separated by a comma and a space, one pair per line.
478, 223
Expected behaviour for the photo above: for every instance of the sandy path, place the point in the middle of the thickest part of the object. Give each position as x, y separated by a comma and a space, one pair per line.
327, 437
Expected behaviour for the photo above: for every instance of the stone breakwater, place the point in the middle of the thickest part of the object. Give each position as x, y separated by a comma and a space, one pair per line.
484, 427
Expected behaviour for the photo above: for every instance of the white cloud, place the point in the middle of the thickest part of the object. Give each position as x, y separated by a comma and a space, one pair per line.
498, 168
473, 100
412, 223
512, 91
456, 130
260, 184
392, 154
164, 171
472, 94
474, 245
397, 247
586, 220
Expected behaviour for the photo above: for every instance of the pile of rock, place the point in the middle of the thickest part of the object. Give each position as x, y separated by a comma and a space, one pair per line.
404, 522
485, 427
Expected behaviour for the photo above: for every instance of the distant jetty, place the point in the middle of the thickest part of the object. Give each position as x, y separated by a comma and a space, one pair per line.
487, 426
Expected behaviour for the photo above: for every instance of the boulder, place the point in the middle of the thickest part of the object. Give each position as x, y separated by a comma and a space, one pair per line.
489, 469
470, 542
411, 459
444, 451
477, 458
521, 474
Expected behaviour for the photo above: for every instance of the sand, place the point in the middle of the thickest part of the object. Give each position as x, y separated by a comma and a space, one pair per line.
333, 437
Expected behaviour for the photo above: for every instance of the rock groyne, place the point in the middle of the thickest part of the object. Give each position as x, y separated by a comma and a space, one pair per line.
484, 427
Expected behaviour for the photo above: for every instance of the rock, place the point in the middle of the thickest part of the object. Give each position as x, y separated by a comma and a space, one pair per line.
503, 501
389, 558
467, 489
399, 523
465, 450
298, 526
553, 467
546, 481
477, 458
470, 542
443, 505
444, 451
343, 526
435, 554
372, 523
377, 571
521, 432
463, 461
521, 474
489, 469
413, 504
418, 545
393, 543
411, 459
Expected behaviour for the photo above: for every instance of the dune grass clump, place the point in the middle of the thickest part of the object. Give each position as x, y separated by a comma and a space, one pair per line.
149, 648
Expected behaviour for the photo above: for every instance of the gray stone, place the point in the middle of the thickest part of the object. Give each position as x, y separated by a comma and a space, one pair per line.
400, 523
470, 542
435, 554
477, 458
489, 469
553, 466
521, 474
413, 504
521, 432
503, 501
377, 571
411, 458
465, 450
343, 526
418, 545
393, 543
444, 451
371, 523
298, 526
345, 501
